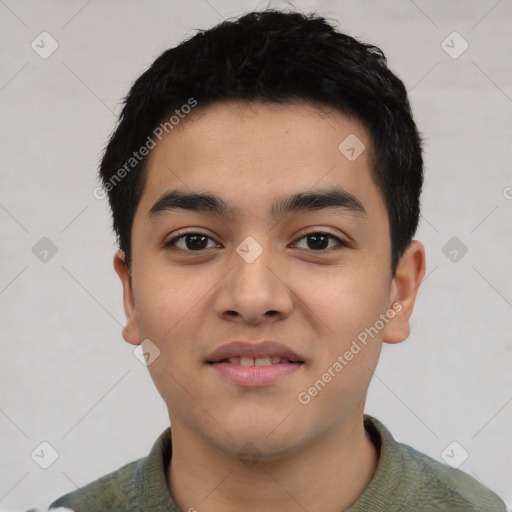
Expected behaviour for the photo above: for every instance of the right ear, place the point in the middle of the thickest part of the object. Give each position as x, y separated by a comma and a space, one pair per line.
131, 331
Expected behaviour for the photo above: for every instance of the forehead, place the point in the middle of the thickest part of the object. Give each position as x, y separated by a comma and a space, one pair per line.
262, 151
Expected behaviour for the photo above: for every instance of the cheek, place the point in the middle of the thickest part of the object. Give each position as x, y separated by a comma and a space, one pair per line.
349, 346
167, 302
347, 300
169, 314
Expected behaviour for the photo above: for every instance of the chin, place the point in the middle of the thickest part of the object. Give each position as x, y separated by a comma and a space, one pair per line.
260, 440
251, 449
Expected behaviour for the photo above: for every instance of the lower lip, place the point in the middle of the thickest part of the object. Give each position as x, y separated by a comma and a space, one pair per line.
253, 376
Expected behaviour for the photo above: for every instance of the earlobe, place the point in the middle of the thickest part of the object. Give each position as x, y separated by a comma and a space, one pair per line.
404, 289
131, 331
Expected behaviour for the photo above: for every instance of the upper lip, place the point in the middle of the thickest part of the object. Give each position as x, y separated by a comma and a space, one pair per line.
252, 349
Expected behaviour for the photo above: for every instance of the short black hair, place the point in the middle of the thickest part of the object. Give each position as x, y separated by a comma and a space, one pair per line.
279, 57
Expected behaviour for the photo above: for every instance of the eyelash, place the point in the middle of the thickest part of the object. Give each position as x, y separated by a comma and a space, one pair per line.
170, 245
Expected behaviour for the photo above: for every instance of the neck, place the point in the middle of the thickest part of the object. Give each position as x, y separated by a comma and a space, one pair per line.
326, 476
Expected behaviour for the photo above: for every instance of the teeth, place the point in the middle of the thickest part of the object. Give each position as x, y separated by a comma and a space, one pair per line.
258, 361
262, 361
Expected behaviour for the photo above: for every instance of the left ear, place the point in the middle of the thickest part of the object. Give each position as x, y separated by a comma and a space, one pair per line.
404, 288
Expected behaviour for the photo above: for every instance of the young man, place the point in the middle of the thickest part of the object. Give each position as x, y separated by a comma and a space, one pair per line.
264, 180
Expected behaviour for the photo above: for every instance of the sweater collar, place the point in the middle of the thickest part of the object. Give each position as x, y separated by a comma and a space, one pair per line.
153, 494
385, 490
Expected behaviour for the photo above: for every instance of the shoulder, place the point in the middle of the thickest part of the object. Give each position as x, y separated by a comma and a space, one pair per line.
407, 479
113, 491
437, 486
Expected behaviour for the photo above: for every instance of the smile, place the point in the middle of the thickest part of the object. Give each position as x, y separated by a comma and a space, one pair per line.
258, 361
255, 372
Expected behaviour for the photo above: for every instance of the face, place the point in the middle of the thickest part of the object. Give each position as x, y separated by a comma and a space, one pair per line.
311, 279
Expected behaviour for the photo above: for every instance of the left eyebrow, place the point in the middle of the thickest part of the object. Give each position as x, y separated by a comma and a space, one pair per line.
332, 198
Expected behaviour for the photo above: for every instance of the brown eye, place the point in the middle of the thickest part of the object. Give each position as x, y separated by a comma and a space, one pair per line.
319, 241
192, 242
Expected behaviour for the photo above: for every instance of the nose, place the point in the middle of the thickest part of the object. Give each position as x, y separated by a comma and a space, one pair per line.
256, 289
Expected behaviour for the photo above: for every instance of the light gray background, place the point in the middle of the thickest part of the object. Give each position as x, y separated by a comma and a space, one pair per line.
69, 378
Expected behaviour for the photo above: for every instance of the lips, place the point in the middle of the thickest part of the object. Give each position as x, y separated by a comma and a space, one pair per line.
242, 352
254, 365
